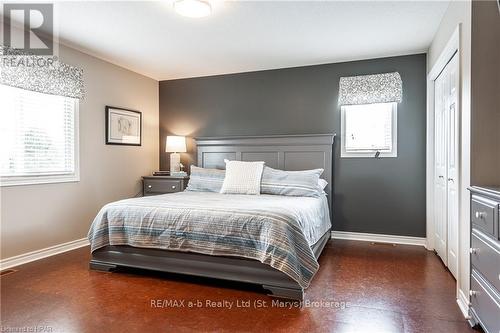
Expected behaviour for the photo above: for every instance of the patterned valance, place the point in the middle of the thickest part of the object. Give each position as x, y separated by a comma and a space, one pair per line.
368, 89
42, 74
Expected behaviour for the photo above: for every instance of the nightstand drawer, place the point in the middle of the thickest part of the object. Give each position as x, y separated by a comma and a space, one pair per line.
159, 186
484, 214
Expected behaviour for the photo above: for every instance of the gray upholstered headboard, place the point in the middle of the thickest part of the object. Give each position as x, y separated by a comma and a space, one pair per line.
285, 152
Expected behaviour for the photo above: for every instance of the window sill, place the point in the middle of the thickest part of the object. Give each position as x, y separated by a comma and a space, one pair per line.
36, 180
368, 155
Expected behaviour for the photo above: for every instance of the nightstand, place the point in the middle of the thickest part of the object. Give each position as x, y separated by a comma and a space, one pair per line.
154, 185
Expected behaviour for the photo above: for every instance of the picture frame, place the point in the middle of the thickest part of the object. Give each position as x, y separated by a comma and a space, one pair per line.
123, 126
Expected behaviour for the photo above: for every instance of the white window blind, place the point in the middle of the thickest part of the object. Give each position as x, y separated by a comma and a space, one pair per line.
368, 129
37, 134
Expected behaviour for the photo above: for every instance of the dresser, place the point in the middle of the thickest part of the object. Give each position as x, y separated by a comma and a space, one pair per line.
485, 258
154, 185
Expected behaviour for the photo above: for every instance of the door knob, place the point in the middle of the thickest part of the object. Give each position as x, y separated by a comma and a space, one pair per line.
472, 293
173, 187
149, 186
473, 250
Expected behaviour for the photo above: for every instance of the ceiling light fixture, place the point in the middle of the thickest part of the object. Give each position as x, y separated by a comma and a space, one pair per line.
193, 8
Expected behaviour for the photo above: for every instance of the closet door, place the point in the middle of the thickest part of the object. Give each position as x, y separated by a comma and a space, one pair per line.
452, 159
440, 168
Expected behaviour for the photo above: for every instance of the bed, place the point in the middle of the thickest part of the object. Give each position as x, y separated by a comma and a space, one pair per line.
270, 240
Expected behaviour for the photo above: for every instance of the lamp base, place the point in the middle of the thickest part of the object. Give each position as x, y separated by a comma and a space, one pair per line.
175, 162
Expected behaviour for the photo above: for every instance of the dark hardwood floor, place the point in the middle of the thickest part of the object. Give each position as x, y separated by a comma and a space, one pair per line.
360, 287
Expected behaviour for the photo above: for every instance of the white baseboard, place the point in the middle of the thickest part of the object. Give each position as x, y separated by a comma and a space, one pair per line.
43, 253
463, 303
379, 238
60, 248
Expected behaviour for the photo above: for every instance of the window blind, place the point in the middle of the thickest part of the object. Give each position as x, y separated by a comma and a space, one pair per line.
37, 133
368, 127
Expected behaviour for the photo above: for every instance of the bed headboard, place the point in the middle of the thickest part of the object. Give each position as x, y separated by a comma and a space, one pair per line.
285, 152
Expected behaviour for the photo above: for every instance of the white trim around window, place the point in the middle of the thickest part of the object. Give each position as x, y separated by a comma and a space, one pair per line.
370, 153
52, 178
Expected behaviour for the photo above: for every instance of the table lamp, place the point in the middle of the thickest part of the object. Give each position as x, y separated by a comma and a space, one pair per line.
175, 145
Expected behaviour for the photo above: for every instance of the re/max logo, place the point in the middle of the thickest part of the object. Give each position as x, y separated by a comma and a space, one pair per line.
167, 303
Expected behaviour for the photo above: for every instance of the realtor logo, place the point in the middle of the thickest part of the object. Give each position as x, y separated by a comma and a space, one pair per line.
37, 23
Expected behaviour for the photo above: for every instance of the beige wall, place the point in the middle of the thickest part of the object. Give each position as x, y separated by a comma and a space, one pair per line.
34, 217
485, 94
459, 13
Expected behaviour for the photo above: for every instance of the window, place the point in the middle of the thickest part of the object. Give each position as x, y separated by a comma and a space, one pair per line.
369, 130
38, 137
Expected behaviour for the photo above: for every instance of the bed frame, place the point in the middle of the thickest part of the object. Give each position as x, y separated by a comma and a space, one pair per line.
286, 152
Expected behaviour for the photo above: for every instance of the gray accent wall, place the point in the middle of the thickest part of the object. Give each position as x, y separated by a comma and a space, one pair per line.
385, 196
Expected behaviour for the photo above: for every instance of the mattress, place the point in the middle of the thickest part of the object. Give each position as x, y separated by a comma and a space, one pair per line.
275, 230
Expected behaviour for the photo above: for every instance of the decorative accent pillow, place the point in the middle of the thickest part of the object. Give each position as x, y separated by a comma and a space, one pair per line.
322, 183
292, 183
205, 180
242, 177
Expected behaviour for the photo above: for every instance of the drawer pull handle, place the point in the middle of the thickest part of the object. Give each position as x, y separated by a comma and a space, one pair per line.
149, 186
451, 180
472, 293
441, 176
480, 215
473, 250
173, 187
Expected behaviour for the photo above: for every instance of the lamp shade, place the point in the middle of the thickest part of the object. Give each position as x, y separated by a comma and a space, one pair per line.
176, 144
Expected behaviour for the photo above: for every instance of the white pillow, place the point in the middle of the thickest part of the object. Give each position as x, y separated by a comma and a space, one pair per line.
322, 183
242, 177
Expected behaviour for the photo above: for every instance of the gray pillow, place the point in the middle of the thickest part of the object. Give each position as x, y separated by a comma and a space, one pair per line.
292, 183
205, 180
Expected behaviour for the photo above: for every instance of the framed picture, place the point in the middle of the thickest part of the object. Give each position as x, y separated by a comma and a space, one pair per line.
123, 126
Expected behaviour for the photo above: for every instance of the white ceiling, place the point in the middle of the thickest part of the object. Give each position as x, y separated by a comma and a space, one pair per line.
151, 39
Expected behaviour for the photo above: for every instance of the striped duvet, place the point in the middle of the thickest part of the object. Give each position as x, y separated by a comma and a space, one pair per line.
273, 229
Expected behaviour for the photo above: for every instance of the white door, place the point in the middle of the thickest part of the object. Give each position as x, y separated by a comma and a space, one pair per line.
453, 128
440, 205
446, 169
